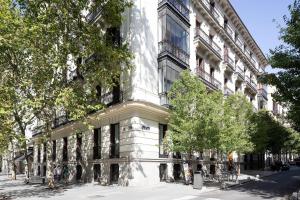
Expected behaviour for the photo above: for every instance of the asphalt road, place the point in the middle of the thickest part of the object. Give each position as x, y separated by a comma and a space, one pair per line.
278, 186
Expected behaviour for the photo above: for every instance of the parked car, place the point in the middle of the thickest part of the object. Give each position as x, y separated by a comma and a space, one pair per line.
285, 167
297, 161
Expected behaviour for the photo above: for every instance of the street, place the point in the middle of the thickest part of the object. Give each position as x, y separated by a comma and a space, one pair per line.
273, 187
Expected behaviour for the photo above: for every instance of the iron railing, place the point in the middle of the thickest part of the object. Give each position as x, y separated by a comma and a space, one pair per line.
166, 46
200, 33
229, 61
208, 79
229, 30
239, 70
211, 10
263, 93
227, 91
251, 83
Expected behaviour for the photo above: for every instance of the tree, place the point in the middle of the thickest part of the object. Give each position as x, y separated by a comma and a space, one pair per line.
270, 135
194, 116
54, 41
287, 58
236, 125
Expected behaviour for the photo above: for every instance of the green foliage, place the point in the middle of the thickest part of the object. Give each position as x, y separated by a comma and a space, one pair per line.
41, 43
236, 125
205, 120
287, 58
271, 135
193, 120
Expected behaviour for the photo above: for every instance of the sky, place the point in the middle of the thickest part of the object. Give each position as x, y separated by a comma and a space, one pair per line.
258, 16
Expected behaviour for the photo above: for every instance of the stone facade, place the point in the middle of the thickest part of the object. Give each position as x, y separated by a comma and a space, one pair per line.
166, 37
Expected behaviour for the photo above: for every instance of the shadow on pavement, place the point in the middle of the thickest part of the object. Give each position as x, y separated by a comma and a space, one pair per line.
275, 186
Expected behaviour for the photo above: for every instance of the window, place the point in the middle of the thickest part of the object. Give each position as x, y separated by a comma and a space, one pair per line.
78, 172
162, 134
114, 141
198, 24
114, 173
97, 172
45, 152
113, 36
78, 146
65, 149
169, 72
212, 72
200, 62
174, 33
53, 150
39, 154
97, 143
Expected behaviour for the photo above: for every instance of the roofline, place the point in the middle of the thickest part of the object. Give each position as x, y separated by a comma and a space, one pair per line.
248, 32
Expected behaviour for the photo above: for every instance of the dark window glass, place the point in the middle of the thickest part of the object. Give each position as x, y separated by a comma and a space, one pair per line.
65, 149
54, 150
97, 143
115, 141
162, 133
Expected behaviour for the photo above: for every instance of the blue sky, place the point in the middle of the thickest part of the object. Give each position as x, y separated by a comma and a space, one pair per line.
258, 16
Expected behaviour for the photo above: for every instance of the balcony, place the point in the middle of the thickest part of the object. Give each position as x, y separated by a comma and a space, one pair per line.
210, 9
96, 152
207, 43
60, 121
251, 84
178, 6
93, 15
263, 93
239, 43
229, 63
208, 79
164, 100
167, 48
111, 98
229, 30
240, 72
37, 130
227, 91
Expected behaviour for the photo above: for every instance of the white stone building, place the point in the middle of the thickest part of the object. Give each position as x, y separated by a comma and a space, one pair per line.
166, 37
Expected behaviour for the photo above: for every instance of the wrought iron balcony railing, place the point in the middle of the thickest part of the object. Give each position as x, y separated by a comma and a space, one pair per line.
229, 61
208, 79
227, 91
239, 70
211, 10
93, 14
229, 30
239, 43
167, 47
251, 83
200, 33
262, 92
60, 120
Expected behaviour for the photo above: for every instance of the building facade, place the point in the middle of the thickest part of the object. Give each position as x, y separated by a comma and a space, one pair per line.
166, 37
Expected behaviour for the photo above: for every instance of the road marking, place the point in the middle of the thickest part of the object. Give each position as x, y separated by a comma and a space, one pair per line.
212, 199
186, 198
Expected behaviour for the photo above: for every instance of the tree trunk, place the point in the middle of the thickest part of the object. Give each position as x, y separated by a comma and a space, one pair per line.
188, 170
239, 164
50, 165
